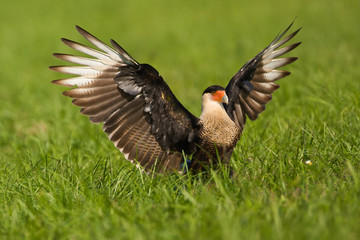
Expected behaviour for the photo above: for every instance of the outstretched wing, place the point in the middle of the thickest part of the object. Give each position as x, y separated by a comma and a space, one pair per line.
251, 87
138, 110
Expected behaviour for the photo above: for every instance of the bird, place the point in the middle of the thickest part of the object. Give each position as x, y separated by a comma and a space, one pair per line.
144, 119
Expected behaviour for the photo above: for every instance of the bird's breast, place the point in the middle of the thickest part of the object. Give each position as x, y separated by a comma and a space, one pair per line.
218, 134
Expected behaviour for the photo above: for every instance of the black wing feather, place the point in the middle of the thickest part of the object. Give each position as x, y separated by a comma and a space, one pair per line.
251, 87
140, 113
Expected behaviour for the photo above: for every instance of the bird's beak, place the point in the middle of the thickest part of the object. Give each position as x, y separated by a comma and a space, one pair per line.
225, 99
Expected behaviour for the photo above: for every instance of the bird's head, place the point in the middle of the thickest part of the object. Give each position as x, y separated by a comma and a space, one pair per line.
215, 93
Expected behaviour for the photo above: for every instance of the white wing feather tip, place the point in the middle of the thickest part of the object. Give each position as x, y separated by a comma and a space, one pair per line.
98, 43
119, 55
268, 66
274, 53
101, 56
70, 82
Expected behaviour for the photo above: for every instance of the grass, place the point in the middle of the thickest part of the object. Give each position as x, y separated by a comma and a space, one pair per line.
60, 178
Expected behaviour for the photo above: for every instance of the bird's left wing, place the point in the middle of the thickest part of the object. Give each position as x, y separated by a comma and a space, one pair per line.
138, 110
252, 86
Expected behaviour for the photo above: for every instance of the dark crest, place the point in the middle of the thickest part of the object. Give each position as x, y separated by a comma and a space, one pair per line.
213, 88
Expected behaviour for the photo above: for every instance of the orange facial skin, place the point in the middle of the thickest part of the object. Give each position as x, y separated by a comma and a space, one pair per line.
218, 95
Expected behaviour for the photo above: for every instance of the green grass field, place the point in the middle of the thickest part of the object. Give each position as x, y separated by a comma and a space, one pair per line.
60, 178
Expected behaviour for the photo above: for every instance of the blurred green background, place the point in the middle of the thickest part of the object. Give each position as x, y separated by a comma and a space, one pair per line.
193, 44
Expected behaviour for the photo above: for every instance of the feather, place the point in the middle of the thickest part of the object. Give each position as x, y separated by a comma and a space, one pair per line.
117, 135
116, 131
72, 82
281, 51
153, 158
140, 148
246, 108
127, 129
123, 52
121, 113
114, 118
100, 107
91, 62
254, 105
77, 70
130, 87
143, 145
88, 101
99, 44
268, 87
91, 91
260, 97
90, 51
282, 42
240, 116
133, 140
275, 63
269, 77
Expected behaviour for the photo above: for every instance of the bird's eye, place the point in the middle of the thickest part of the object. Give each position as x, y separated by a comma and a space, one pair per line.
213, 92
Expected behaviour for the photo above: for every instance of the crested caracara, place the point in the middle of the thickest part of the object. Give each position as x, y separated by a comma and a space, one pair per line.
145, 120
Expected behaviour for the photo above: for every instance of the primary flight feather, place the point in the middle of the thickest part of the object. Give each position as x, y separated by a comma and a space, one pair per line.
145, 120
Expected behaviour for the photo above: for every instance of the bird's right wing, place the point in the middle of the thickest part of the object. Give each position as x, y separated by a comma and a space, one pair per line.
252, 86
138, 110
